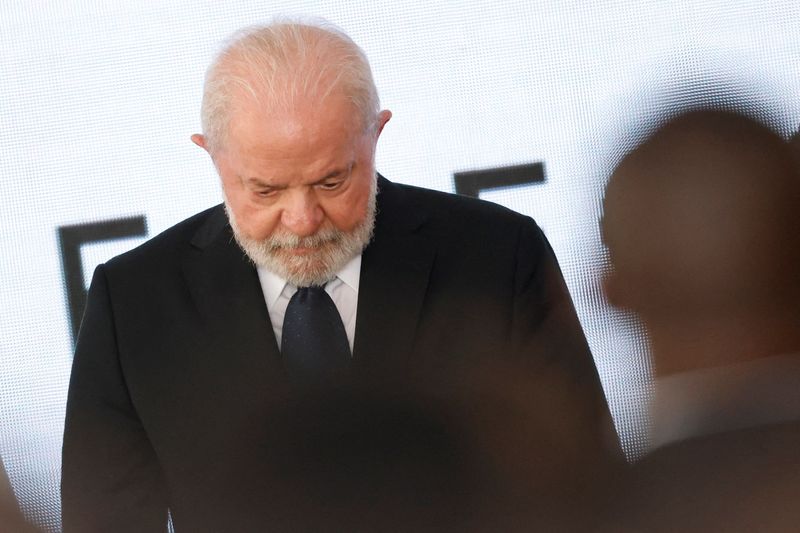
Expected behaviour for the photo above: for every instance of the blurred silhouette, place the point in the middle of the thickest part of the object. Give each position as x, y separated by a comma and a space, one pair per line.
483, 449
701, 224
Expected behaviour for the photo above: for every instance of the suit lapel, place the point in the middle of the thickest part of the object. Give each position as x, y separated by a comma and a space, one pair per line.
394, 278
227, 294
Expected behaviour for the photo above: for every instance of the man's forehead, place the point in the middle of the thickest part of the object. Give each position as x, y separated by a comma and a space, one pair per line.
298, 118
290, 139
288, 149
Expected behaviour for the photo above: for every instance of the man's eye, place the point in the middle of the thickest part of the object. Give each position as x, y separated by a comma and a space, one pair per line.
331, 185
265, 193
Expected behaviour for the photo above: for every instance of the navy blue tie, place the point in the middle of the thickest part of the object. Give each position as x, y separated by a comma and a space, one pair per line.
314, 343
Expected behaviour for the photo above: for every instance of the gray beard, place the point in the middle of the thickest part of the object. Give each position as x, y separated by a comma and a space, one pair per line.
333, 249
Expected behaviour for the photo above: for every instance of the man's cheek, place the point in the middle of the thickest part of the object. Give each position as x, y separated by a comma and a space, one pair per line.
261, 223
346, 213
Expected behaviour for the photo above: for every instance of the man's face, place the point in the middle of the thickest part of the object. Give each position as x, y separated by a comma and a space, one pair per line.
300, 187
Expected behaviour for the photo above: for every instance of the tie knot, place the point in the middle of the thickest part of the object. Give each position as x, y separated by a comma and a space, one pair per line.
310, 295
312, 288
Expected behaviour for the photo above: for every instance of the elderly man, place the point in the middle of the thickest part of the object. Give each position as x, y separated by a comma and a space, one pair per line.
315, 267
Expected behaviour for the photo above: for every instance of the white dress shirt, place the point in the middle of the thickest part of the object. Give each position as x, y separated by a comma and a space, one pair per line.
343, 290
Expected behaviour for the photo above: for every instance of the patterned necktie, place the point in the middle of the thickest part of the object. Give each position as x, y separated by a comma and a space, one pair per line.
314, 343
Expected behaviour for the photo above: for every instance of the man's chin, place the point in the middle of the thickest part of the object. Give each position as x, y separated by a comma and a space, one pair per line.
299, 251
300, 266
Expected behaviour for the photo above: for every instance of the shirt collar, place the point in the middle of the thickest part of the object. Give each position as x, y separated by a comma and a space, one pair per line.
351, 273
273, 285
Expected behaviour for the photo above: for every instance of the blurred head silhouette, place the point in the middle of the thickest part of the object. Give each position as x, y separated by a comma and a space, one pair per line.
701, 225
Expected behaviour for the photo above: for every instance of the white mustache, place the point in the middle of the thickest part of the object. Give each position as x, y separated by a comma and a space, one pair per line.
289, 240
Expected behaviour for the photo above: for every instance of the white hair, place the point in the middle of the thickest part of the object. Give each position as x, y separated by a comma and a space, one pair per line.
282, 65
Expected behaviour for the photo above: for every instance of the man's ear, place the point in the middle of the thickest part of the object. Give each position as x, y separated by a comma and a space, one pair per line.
200, 141
383, 118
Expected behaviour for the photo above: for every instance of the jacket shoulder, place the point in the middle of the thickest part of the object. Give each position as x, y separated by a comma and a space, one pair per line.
171, 242
444, 207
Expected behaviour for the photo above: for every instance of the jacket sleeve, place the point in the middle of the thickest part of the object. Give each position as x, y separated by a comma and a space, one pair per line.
111, 479
548, 335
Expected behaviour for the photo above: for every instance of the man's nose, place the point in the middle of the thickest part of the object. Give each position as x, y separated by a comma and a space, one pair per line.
302, 215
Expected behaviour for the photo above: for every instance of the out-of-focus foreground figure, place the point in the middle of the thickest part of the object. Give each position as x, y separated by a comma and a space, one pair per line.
463, 451
701, 223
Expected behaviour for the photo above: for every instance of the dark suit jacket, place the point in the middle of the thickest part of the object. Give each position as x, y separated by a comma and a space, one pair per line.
176, 359
736, 481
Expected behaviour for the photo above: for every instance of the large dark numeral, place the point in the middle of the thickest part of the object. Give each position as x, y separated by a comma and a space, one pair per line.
71, 238
472, 182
